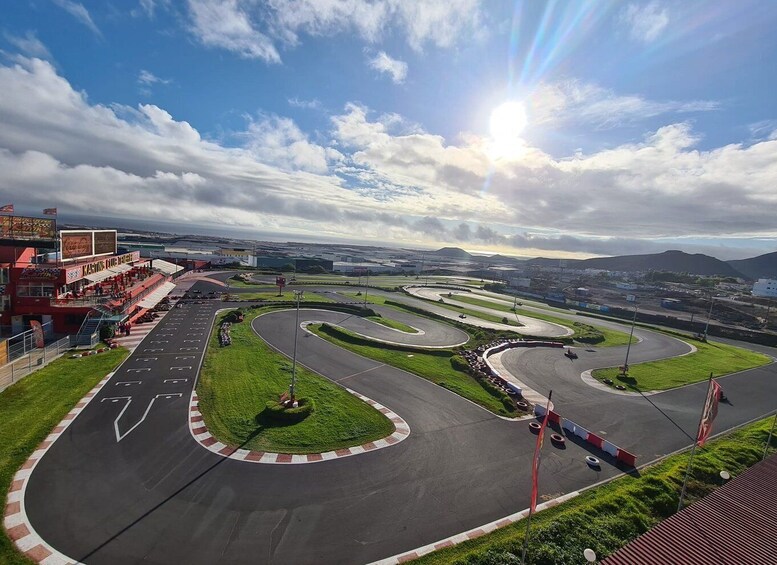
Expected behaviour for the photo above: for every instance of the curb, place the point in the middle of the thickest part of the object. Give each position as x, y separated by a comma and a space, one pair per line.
17, 524
473, 533
202, 436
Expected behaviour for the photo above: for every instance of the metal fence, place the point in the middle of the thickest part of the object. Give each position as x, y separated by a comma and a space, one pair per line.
31, 360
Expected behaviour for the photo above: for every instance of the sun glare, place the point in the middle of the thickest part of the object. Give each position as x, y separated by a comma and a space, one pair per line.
508, 120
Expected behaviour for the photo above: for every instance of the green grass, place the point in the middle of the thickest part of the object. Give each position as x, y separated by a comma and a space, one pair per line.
607, 517
712, 357
395, 324
272, 296
610, 337
32, 407
434, 366
237, 381
359, 297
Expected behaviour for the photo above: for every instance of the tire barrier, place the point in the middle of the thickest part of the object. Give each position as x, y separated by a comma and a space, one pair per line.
571, 427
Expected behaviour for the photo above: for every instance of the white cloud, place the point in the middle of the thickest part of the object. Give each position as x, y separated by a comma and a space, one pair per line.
314, 104
576, 101
395, 68
377, 177
30, 45
149, 78
645, 22
80, 13
252, 29
225, 24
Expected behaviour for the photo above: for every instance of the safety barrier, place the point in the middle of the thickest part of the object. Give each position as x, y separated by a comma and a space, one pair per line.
597, 441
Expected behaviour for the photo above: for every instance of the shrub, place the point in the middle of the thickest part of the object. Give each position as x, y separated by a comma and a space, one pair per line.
277, 412
459, 363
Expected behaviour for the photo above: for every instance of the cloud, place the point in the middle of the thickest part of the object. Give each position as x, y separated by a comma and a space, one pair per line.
645, 22
373, 175
577, 101
314, 104
225, 24
395, 68
148, 78
30, 45
80, 13
254, 30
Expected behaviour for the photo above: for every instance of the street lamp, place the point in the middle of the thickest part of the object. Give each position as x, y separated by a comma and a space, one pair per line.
298, 295
709, 315
631, 334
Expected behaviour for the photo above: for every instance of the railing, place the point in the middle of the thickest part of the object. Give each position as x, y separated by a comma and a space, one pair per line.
35, 359
20, 343
83, 302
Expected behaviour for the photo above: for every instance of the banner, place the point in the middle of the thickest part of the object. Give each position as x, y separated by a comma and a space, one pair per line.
25, 227
105, 242
535, 470
49, 211
7, 209
710, 411
37, 333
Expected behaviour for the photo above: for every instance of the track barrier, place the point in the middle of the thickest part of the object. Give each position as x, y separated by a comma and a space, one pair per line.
598, 442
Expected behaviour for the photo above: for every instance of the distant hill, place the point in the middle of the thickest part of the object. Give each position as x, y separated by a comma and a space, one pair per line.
675, 261
452, 253
761, 267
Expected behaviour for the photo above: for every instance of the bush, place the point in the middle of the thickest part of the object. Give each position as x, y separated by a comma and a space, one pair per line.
277, 412
459, 363
107, 332
504, 320
234, 316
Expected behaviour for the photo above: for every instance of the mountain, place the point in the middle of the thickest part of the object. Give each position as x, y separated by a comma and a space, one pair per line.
452, 253
675, 261
761, 267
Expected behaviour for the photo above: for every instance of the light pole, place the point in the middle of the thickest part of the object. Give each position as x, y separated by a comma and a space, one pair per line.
298, 295
709, 315
631, 334
366, 285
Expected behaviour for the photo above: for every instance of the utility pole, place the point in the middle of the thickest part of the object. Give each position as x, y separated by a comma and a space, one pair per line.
631, 335
298, 295
709, 315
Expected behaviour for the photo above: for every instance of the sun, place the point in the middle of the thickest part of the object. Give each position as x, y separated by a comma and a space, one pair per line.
508, 121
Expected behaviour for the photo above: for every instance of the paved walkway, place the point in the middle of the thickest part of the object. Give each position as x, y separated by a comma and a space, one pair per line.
138, 333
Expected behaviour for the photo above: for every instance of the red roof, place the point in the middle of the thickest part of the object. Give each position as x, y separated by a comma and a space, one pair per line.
734, 525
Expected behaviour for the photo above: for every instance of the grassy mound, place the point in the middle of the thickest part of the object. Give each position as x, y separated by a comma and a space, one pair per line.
238, 381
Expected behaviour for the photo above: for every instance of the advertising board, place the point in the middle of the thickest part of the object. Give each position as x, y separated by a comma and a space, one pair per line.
26, 227
76, 244
105, 242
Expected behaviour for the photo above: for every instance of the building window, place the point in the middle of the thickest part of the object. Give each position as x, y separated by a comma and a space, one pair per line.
34, 290
4, 275
5, 303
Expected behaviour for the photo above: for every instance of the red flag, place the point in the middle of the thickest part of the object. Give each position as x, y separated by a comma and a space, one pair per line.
710, 411
535, 470
49, 211
7, 209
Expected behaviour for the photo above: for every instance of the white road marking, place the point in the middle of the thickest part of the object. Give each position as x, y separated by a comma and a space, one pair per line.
175, 381
120, 436
184, 356
139, 370
127, 383
153, 350
146, 359
180, 368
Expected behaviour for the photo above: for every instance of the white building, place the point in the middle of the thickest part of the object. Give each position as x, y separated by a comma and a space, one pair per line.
766, 288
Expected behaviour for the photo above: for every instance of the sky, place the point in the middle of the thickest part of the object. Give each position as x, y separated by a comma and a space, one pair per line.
528, 128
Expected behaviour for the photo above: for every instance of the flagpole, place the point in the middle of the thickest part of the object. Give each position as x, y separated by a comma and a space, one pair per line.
533, 501
695, 443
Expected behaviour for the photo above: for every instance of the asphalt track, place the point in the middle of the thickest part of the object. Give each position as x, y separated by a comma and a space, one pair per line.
139, 489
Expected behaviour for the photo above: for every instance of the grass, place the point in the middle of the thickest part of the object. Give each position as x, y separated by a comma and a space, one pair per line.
32, 407
272, 296
434, 366
611, 338
607, 517
391, 323
712, 357
237, 381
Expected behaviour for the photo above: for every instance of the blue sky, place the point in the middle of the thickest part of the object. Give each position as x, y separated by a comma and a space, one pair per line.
648, 125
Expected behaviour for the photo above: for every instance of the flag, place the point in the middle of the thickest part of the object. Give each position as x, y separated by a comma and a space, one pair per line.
7, 209
710, 411
49, 211
536, 463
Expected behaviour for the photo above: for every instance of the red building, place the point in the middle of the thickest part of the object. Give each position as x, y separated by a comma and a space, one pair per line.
86, 278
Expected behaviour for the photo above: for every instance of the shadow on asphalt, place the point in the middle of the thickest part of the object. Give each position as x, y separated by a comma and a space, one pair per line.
153, 509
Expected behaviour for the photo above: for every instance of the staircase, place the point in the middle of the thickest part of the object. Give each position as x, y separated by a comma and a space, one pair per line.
88, 334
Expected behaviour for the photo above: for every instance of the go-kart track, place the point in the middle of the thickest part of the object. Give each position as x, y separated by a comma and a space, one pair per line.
126, 481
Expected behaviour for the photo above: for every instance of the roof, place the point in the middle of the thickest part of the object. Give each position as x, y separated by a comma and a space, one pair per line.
734, 524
